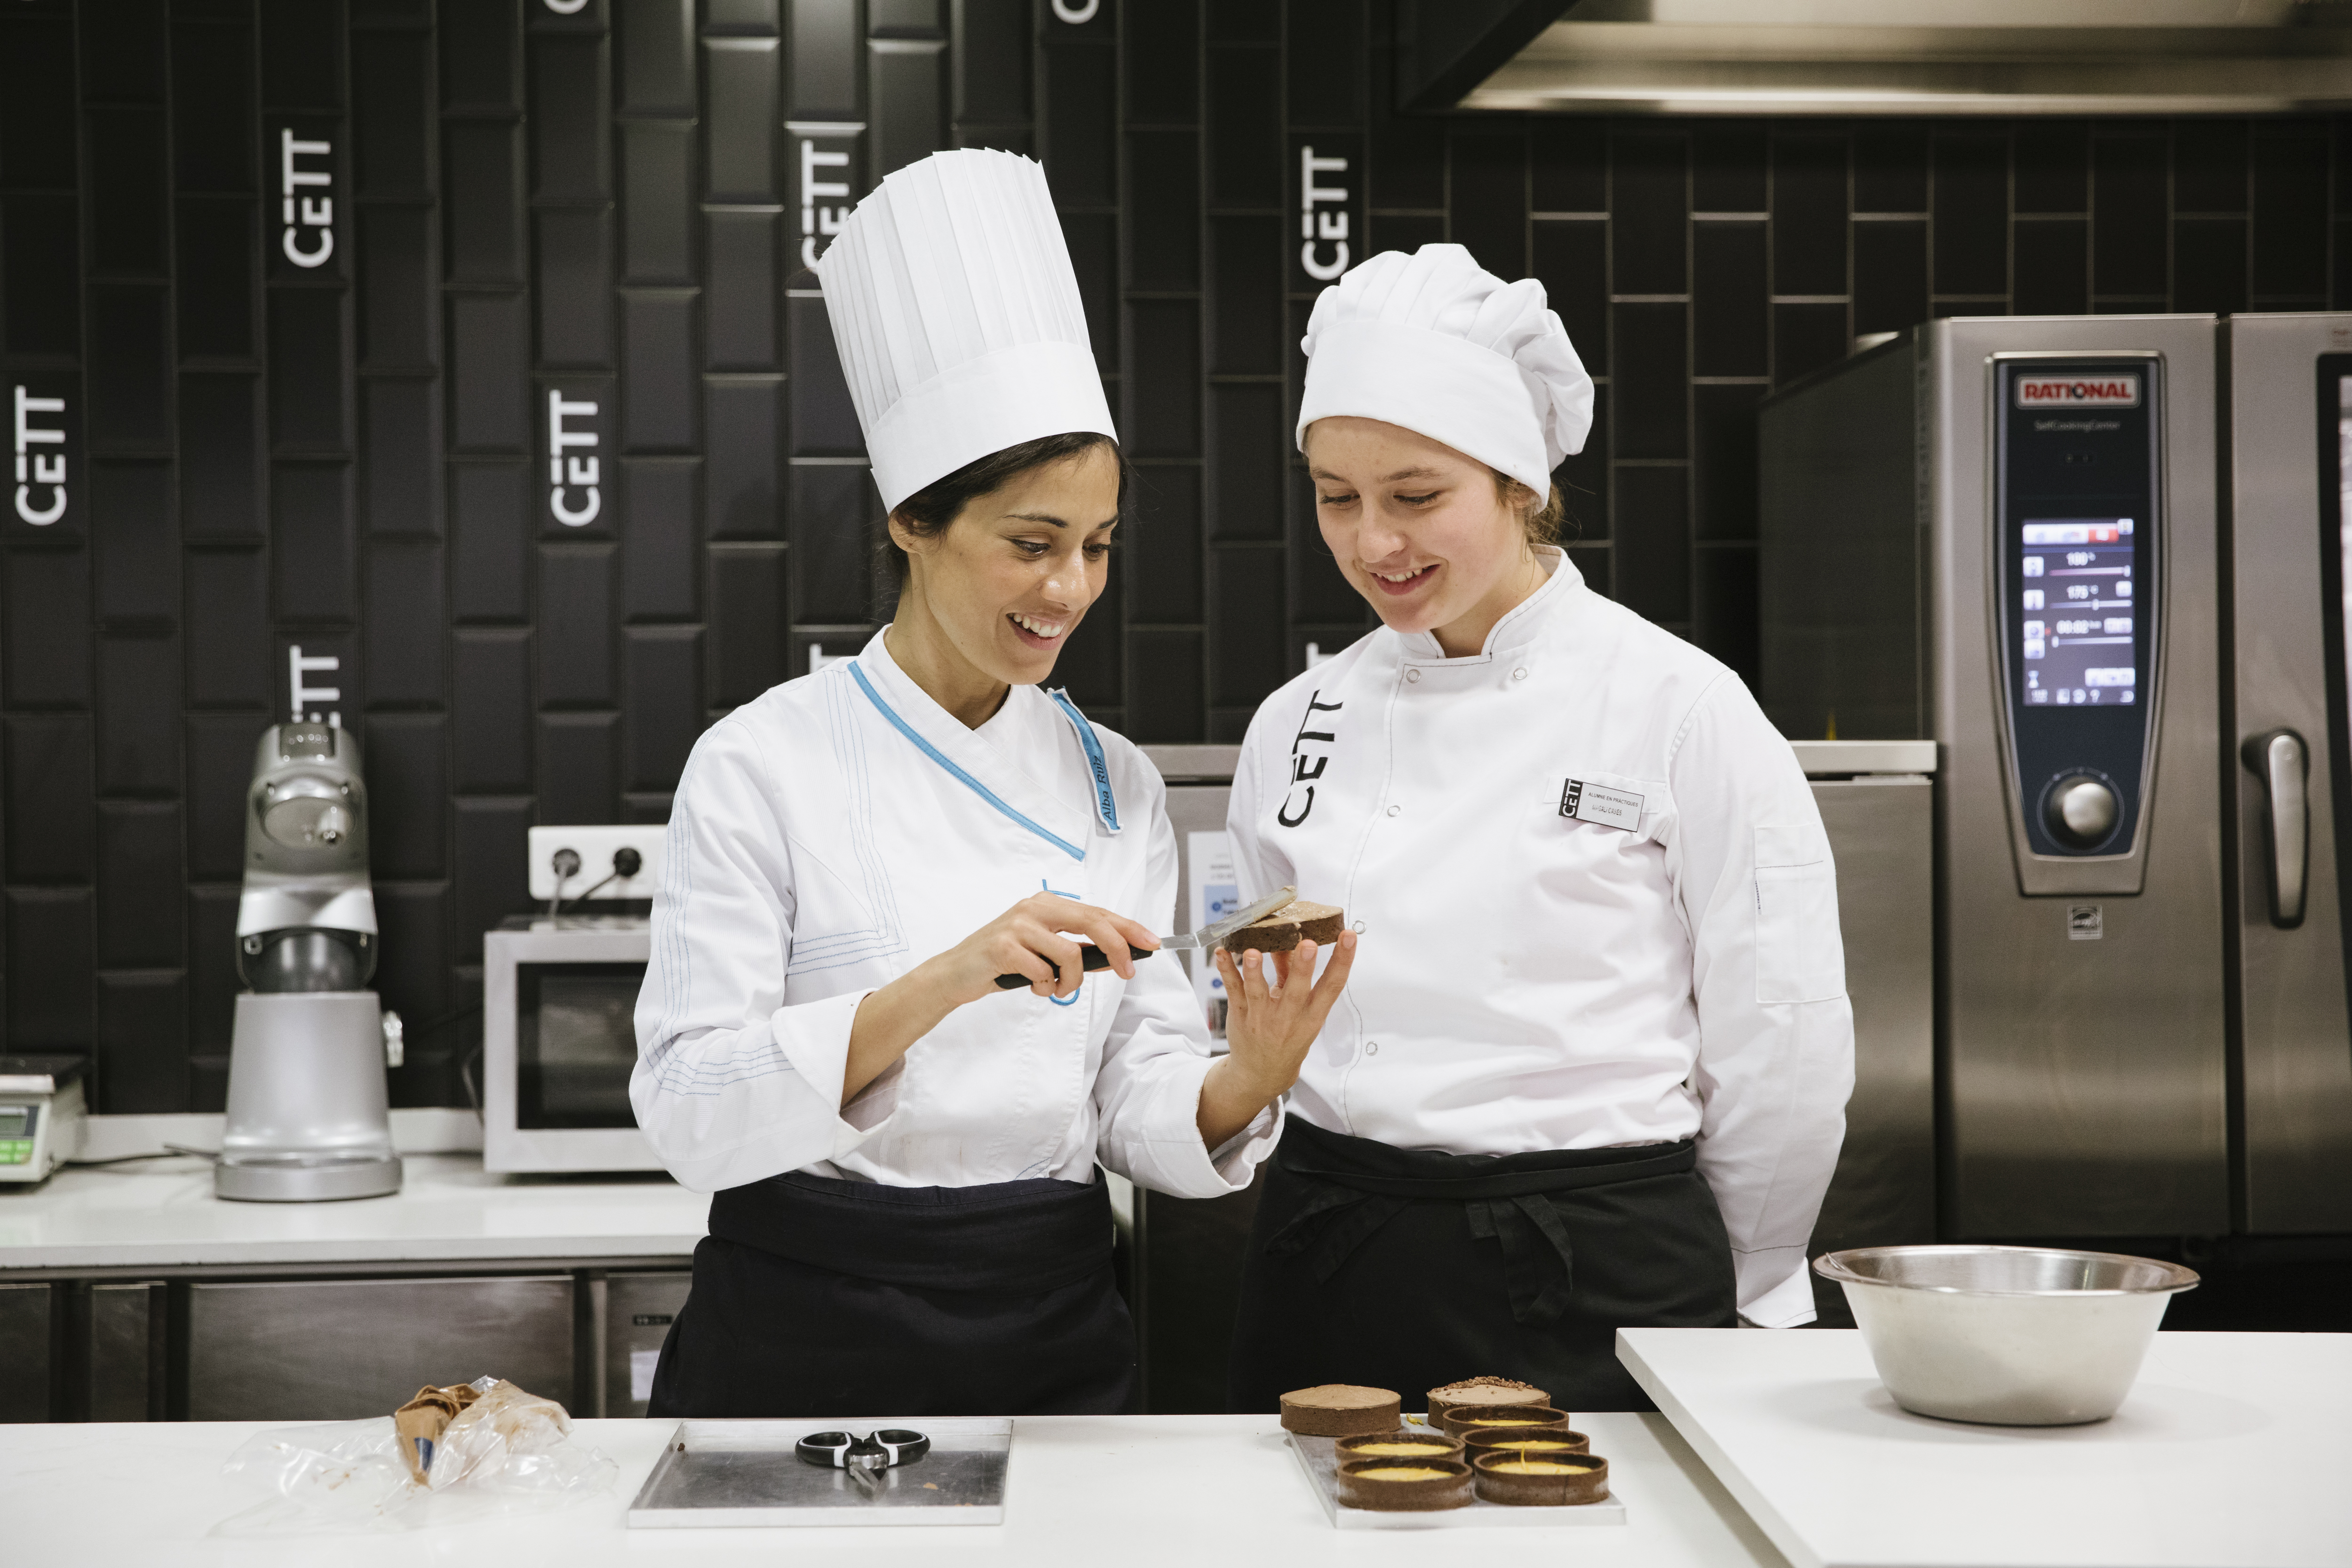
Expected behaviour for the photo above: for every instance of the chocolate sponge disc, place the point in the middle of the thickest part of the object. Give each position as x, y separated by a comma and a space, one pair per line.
1340, 1410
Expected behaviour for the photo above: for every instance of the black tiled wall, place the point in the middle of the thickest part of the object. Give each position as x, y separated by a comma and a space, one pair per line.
611, 202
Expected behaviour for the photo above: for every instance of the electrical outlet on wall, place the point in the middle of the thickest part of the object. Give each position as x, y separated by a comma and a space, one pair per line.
594, 846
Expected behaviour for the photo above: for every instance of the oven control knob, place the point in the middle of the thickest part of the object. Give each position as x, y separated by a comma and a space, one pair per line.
2082, 810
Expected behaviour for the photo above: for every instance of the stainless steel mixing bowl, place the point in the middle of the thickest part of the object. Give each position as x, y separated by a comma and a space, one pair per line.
2013, 1336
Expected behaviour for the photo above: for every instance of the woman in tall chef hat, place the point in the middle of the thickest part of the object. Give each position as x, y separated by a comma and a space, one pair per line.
1599, 1077
906, 1216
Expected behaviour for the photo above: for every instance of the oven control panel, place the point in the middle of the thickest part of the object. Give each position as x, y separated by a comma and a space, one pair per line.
2080, 538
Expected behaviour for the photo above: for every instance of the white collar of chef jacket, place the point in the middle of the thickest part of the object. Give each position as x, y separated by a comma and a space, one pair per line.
1519, 628
1012, 752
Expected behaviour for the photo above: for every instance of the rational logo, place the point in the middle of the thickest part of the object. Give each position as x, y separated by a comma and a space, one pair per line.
2114, 390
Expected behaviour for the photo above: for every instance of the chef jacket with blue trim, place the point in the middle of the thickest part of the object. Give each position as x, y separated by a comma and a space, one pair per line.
834, 833
1596, 903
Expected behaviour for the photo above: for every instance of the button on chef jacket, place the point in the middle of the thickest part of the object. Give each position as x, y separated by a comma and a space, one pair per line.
817, 851
1637, 973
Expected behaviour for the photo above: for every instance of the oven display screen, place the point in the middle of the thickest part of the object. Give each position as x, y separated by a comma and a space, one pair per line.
2075, 619
16, 1121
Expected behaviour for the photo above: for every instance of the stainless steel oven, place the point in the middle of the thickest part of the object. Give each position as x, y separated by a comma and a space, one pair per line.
559, 1042
2002, 535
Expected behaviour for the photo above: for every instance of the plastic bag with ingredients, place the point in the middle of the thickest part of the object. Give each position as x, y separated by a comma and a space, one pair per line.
451, 1455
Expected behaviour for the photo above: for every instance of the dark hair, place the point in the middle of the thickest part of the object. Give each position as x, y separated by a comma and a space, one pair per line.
928, 513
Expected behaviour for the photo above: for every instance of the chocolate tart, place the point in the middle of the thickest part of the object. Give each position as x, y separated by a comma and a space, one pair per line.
1408, 1447
1539, 1445
1464, 1419
1560, 1481
1403, 1486
1340, 1410
1484, 1390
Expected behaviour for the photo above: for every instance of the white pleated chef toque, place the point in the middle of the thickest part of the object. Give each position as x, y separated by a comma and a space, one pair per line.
957, 316
1436, 343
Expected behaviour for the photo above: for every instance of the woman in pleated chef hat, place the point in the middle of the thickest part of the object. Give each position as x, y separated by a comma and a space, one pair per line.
1598, 1077
907, 1218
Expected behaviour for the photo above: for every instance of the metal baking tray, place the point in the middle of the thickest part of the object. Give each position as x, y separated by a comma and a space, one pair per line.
719, 1473
1318, 1456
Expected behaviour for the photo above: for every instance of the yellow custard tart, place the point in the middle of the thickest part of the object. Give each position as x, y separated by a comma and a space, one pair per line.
1544, 1440
1402, 1485
1484, 1390
1400, 1446
1463, 1419
1560, 1481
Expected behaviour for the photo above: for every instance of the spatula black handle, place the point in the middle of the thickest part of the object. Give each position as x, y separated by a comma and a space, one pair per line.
1096, 958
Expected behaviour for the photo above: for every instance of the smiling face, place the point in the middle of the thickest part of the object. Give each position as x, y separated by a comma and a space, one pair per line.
990, 600
1420, 529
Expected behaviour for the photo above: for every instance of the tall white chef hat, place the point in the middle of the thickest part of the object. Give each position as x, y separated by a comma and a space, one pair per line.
958, 318
1436, 343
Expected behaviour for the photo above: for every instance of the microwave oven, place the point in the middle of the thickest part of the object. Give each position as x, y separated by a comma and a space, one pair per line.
559, 1042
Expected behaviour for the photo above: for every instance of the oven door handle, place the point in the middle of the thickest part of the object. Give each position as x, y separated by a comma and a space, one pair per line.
2282, 761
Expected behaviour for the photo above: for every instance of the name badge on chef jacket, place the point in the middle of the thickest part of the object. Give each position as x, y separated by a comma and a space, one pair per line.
1599, 803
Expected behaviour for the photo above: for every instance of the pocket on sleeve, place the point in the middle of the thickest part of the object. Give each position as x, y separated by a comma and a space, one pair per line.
1800, 955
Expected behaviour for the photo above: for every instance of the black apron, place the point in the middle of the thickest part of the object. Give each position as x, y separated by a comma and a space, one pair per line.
818, 1297
1404, 1271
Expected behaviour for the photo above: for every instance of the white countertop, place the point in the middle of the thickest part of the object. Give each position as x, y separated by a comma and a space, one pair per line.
1206, 1492
2232, 1452
161, 1213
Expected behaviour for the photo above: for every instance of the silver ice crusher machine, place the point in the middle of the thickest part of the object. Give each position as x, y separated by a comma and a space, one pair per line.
308, 1111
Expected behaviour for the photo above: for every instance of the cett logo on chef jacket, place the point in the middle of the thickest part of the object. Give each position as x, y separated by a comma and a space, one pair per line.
2114, 390
1300, 773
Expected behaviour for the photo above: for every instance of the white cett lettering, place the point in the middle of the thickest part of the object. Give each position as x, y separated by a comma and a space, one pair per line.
567, 7
1314, 227
576, 473
297, 665
1077, 15
818, 221
317, 214
35, 472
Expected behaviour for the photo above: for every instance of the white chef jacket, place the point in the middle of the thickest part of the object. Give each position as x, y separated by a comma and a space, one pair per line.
1664, 963
816, 851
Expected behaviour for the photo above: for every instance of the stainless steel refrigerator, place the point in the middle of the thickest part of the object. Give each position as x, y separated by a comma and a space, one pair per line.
2287, 435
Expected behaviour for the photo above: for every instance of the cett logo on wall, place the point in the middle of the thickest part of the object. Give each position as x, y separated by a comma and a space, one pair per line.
2114, 390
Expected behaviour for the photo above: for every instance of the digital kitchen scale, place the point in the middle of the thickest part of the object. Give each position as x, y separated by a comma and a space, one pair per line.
41, 1113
